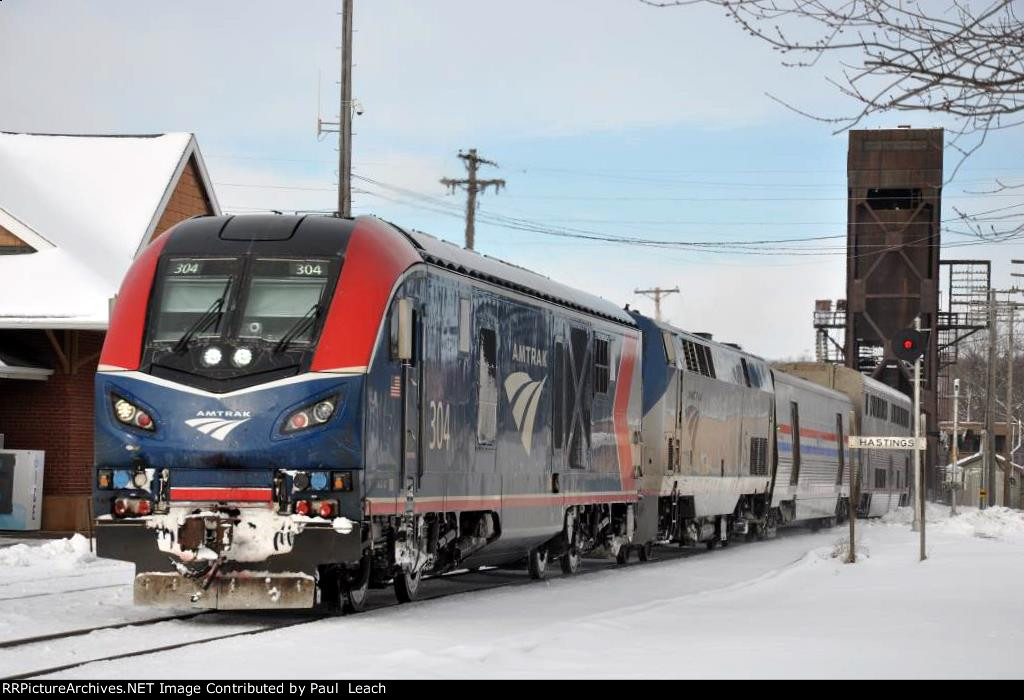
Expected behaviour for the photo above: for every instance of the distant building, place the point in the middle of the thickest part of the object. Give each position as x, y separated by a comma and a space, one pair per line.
969, 474
74, 211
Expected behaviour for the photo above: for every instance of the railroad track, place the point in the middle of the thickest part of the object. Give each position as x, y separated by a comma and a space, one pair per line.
63, 592
483, 580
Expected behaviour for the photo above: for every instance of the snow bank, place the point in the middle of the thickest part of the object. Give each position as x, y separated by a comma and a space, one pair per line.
67, 553
997, 522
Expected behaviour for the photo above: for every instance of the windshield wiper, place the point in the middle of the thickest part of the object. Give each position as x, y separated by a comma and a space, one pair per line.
301, 326
203, 321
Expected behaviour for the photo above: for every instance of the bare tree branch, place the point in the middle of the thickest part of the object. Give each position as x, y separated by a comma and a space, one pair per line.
960, 58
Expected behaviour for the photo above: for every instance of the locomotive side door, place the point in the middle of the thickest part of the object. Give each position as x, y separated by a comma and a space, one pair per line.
411, 352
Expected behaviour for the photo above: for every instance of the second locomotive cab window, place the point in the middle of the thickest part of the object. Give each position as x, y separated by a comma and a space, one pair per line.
487, 395
194, 288
601, 373
284, 299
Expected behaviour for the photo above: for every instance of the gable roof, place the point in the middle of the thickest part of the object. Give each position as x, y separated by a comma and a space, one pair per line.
86, 204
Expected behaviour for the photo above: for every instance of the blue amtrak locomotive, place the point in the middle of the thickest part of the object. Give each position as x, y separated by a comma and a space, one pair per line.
292, 410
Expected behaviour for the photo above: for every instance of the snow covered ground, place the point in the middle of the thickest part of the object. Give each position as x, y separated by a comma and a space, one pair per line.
783, 608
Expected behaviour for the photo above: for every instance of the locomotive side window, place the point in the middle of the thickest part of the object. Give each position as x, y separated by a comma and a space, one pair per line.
284, 299
690, 351
709, 361
601, 372
670, 348
487, 399
194, 288
879, 478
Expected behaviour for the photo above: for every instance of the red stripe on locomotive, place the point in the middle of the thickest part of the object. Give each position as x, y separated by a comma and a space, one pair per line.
123, 345
620, 415
376, 257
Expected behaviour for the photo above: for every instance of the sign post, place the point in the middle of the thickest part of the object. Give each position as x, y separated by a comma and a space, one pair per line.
908, 345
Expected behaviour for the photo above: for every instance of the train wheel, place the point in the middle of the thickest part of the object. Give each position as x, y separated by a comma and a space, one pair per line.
570, 561
357, 589
646, 551
407, 586
538, 563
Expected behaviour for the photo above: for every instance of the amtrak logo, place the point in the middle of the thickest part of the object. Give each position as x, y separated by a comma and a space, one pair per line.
524, 397
217, 424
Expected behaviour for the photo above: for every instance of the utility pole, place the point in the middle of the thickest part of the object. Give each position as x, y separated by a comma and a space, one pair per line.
854, 500
472, 184
956, 446
657, 293
1008, 445
344, 123
918, 490
989, 480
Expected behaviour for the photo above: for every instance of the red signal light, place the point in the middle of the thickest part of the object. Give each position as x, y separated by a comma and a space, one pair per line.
302, 508
908, 345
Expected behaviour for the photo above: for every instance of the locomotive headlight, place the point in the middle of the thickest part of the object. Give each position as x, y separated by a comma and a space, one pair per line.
140, 479
310, 416
124, 410
323, 411
128, 413
212, 356
242, 357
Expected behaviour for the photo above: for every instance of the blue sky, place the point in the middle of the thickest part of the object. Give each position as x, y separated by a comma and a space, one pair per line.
604, 115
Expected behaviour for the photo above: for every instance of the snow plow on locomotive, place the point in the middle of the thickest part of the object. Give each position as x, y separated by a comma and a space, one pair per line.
290, 410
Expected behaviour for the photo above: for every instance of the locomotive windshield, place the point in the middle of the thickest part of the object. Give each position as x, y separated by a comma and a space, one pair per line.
262, 300
284, 299
195, 288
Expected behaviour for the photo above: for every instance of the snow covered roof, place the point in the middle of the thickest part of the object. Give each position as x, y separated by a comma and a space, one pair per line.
977, 457
87, 205
12, 367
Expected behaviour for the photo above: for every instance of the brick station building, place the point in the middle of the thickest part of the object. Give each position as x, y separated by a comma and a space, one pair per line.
74, 211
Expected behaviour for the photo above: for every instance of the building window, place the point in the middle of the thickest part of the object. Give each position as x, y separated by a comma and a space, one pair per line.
487, 398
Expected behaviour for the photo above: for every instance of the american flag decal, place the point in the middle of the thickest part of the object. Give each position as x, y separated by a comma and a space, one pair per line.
396, 386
